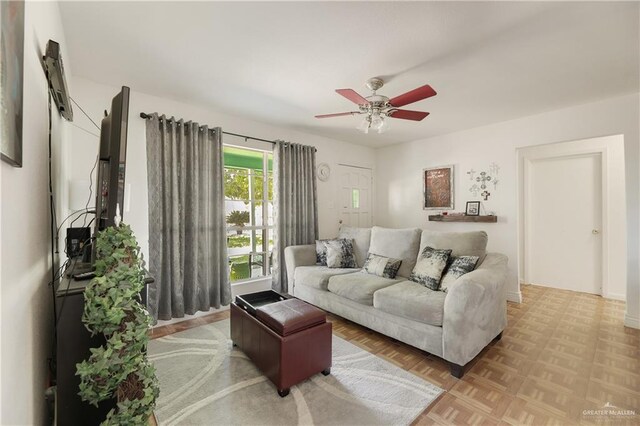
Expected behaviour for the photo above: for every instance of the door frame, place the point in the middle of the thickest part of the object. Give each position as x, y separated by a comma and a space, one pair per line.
613, 228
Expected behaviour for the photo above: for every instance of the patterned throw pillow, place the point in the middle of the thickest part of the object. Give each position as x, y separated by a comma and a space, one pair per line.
429, 268
457, 267
321, 252
340, 254
381, 266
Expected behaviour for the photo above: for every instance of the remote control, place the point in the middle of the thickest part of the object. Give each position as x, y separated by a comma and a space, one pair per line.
84, 276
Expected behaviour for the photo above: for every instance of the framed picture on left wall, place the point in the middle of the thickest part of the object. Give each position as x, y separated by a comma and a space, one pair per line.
11, 80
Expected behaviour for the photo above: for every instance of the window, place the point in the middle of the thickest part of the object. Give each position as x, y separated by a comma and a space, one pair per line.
355, 198
249, 212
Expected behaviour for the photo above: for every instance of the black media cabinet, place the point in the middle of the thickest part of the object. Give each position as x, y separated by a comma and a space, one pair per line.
72, 346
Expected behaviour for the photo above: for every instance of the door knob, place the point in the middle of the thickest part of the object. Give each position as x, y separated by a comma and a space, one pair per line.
595, 231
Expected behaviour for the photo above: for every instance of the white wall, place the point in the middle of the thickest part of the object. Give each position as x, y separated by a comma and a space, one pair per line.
26, 314
95, 98
399, 168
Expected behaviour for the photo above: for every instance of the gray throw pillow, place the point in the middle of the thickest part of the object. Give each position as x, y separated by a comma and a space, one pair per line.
457, 267
340, 254
321, 252
429, 267
361, 240
381, 266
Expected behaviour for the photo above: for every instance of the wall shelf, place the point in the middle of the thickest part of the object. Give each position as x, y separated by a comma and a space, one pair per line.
451, 218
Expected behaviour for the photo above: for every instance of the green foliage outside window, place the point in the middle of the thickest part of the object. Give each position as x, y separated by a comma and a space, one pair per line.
238, 218
237, 241
236, 186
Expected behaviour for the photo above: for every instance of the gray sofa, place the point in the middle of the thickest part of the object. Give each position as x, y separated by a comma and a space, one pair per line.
455, 325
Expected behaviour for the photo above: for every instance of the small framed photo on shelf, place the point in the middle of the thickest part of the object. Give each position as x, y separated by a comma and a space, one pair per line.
473, 208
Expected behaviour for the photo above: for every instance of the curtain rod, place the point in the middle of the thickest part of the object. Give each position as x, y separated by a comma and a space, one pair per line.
146, 116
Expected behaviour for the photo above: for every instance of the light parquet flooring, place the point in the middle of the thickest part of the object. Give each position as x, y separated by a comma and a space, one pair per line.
563, 353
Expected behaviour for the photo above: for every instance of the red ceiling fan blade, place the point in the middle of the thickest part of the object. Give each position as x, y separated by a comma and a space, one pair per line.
353, 96
336, 114
405, 114
415, 95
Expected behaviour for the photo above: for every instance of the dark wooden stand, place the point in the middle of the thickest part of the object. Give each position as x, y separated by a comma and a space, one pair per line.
460, 218
73, 346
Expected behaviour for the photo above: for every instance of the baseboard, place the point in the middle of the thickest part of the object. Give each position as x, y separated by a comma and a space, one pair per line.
188, 317
514, 296
615, 296
631, 322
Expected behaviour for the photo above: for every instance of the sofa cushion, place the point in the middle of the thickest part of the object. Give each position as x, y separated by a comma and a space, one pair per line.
397, 243
472, 243
413, 301
381, 266
430, 266
358, 287
318, 276
361, 239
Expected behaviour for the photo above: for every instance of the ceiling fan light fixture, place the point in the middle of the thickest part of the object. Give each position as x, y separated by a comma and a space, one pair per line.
365, 125
383, 126
376, 121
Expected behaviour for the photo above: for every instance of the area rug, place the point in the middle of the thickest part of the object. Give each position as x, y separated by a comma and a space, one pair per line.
205, 381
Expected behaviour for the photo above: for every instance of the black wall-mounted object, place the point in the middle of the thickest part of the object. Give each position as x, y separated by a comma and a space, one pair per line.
57, 80
113, 157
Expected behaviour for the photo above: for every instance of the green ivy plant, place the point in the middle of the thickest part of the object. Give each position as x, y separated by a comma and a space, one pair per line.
120, 368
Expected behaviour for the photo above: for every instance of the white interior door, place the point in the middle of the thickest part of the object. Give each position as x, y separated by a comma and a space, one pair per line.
355, 196
564, 223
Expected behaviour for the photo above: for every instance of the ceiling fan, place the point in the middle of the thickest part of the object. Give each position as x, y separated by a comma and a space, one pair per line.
377, 107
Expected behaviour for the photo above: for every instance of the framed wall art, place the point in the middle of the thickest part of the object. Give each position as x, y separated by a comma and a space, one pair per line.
11, 80
438, 188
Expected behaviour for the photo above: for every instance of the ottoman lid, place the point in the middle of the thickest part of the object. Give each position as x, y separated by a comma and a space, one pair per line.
290, 316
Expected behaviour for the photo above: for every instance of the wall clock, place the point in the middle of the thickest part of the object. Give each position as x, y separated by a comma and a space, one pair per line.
324, 171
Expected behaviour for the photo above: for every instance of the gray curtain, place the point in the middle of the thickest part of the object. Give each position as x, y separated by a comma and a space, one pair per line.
187, 230
296, 209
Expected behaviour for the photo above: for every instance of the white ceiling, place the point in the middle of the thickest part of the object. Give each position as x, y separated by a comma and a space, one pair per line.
279, 63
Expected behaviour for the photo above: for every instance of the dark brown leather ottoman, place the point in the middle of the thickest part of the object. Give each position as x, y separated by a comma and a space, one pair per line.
288, 340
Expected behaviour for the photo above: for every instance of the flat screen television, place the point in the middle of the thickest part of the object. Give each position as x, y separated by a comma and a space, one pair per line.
112, 162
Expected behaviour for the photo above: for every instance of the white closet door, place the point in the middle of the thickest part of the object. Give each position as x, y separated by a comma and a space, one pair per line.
565, 223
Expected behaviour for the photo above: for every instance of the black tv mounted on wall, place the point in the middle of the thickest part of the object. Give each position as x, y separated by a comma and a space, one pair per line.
112, 156
112, 162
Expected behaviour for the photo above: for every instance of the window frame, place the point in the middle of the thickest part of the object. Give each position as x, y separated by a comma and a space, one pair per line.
255, 231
